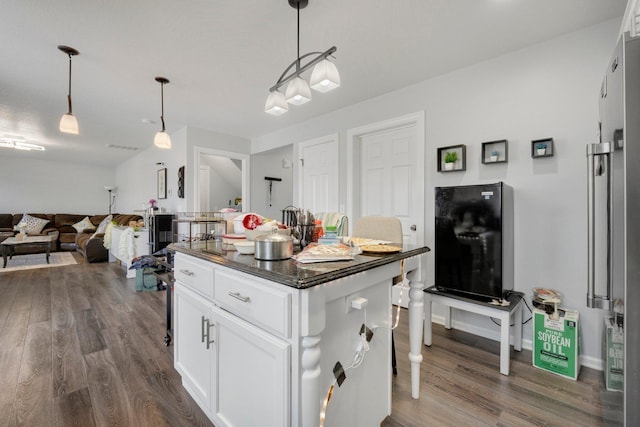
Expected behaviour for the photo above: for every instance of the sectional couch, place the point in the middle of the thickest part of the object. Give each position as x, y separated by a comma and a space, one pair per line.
67, 238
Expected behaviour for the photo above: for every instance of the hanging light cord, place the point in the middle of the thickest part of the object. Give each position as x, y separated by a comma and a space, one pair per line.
298, 53
162, 103
69, 95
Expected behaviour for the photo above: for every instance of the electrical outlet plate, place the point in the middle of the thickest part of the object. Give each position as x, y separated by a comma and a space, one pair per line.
347, 302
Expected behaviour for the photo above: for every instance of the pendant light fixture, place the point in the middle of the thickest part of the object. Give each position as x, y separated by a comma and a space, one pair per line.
68, 122
324, 76
162, 139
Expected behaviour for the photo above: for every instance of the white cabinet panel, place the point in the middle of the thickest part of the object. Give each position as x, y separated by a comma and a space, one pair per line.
195, 273
253, 375
192, 359
255, 301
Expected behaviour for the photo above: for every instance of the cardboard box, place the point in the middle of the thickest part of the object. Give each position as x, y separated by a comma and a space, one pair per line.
614, 355
556, 343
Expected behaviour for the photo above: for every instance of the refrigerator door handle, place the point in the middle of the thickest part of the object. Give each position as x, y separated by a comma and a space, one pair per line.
594, 153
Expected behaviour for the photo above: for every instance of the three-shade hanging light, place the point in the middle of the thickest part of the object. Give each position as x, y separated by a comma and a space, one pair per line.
162, 139
68, 122
324, 76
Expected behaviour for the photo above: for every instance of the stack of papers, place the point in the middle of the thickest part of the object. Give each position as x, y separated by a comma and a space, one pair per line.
324, 253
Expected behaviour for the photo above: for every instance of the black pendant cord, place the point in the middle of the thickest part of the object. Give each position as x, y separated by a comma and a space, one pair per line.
69, 95
162, 103
298, 53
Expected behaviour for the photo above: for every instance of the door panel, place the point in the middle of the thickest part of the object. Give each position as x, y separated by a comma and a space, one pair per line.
245, 351
319, 165
389, 171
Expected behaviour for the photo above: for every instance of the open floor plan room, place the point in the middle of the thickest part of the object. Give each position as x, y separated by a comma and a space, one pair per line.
78, 346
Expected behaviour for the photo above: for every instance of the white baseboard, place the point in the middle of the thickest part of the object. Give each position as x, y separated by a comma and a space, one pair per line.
527, 344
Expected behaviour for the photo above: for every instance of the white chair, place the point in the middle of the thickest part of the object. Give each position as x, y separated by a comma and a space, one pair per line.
382, 228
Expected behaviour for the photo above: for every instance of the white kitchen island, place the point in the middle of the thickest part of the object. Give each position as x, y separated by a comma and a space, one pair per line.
256, 342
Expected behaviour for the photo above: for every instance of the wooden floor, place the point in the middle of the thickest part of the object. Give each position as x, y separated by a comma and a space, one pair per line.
79, 347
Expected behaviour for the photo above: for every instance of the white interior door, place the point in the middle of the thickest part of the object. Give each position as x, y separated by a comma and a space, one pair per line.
318, 190
390, 173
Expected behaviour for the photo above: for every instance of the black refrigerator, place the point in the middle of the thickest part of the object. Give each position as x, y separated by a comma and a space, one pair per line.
474, 240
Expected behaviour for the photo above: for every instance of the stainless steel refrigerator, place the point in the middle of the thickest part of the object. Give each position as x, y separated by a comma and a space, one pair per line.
614, 211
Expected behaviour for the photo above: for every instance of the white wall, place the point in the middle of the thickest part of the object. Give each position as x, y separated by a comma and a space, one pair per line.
202, 138
271, 164
225, 180
40, 186
137, 178
547, 90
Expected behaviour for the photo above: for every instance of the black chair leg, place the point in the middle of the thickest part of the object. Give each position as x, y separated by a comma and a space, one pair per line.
393, 355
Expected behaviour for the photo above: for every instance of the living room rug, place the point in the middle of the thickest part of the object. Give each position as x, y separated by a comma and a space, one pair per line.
31, 261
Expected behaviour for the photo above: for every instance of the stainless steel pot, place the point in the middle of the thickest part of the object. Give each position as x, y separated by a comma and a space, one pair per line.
273, 247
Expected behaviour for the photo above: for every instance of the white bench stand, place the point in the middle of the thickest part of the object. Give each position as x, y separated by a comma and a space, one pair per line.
503, 313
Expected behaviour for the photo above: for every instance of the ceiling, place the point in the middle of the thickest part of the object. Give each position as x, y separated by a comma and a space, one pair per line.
222, 56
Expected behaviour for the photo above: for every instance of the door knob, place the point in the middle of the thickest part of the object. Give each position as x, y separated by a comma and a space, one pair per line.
413, 227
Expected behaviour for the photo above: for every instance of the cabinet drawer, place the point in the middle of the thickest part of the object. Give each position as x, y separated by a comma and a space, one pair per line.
255, 301
195, 274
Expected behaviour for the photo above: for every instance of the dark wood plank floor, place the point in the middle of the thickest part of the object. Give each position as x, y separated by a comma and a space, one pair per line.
79, 347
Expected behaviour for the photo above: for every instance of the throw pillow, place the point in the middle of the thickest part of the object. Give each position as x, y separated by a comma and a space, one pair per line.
103, 224
31, 224
83, 225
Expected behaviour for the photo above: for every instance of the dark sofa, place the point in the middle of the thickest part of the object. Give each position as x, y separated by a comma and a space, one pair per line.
66, 237
91, 245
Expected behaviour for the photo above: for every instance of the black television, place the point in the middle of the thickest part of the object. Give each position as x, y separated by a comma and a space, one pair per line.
474, 240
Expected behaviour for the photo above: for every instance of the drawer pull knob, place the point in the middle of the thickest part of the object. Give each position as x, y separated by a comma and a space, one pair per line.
187, 272
237, 296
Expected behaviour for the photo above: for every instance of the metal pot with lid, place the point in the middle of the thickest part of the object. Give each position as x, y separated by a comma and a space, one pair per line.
273, 247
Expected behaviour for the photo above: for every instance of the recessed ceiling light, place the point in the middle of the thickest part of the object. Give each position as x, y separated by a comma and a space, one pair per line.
19, 145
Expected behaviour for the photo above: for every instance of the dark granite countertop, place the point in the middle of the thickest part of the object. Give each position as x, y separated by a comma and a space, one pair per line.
289, 272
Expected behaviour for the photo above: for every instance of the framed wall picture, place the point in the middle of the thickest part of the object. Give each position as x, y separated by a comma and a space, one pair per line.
452, 158
542, 148
495, 152
162, 183
181, 182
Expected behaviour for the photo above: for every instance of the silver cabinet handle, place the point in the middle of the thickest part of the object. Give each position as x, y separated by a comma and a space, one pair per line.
237, 296
203, 328
187, 272
594, 151
209, 341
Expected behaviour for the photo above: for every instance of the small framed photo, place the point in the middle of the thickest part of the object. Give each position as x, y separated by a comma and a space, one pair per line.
162, 183
495, 152
452, 158
542, 148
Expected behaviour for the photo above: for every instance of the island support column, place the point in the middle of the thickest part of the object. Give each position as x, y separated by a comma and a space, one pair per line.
313, 323
416, 320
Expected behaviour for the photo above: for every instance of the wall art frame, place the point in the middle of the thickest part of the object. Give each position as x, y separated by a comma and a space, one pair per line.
542, 148
181, 182
459, 162
495, 152
162, 183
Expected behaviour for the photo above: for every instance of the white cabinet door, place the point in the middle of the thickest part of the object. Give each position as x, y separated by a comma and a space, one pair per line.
194, 359
253, 374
